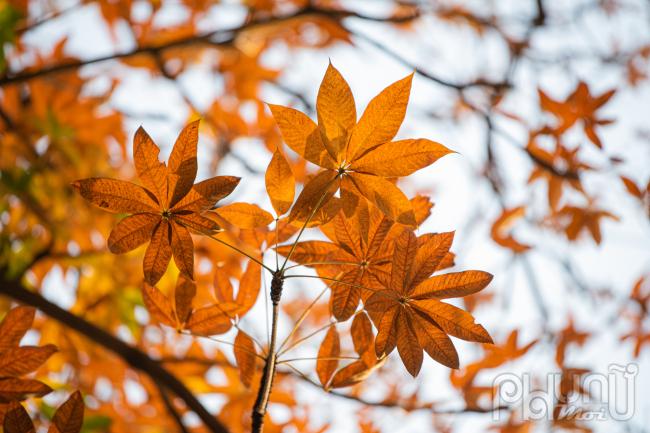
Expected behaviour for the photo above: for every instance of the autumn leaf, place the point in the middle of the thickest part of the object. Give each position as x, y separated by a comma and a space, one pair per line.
327, 353
68, 418
245, 215
246, 356
503, 224
280, 183
14, 326
354, 155
16, 420
409, 314
580, 105
165, 209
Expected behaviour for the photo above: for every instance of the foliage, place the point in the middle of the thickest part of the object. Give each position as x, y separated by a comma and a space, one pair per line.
290, 247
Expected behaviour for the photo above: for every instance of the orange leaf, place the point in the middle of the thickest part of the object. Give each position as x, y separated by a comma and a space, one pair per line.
386, 196
158, 305
245, 355
211, 320
158, 253
407, 344
452, 285
381, 119
249, 287
182, 163
302, 136
361, 331
245, 215
131, 232
337, 114
183, 296
315, 196
400, 158
280, 183
182, 249
152, 172
116, 195
329, 348
204, 195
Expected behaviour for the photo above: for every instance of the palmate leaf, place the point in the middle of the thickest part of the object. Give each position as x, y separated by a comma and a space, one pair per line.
165, 208
408, 312
357, 158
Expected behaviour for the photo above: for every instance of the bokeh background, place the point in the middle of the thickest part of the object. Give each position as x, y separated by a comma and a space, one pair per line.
548, 190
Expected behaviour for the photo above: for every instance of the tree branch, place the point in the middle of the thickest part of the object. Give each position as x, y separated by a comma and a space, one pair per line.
131, 355
213, 38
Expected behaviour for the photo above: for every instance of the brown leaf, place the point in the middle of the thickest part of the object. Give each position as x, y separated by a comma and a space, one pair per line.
17, 420
386, 196
158, 253
14, 326
69, 417
407, 344
24, 359
13, 388
361, 331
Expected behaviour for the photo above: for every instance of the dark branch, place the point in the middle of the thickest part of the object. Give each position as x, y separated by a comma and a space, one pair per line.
132, 356
213, 38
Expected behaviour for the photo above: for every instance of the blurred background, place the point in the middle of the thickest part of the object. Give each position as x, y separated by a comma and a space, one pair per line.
547, 103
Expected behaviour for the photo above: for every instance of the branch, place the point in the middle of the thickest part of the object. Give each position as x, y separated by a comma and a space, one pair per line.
169, 405
213, 38
398, 58
131, 355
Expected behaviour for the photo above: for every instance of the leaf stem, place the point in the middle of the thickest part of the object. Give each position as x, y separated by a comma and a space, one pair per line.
309, 218
297, 343
239, 250
326, 358
301, 319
